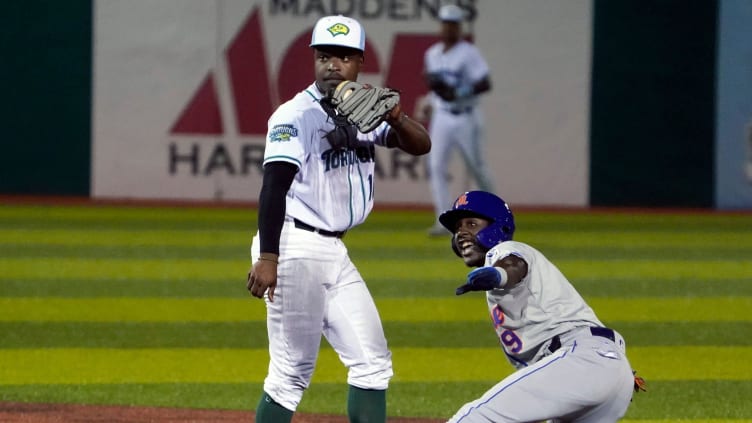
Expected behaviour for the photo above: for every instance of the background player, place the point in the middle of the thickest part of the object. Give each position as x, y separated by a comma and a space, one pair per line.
569, 365
456, 74
318, 183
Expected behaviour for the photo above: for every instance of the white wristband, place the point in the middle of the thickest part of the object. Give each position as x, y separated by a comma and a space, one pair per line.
504, 276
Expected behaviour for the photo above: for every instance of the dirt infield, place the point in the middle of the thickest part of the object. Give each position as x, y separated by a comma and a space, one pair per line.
57, 413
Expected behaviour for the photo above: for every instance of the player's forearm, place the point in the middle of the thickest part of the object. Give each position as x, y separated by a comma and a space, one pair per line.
278, 178
408, 134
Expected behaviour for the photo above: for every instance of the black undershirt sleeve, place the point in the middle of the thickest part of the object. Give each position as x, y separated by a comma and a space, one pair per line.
278, 178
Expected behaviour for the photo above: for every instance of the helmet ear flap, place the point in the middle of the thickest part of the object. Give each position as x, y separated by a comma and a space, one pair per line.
488, 237
508, 231
495, 233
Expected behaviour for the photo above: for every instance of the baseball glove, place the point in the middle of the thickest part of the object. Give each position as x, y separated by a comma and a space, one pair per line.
639, 383
364, 105
442, 89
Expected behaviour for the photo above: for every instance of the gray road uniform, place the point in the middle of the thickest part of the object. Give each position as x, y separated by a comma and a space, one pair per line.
569, 365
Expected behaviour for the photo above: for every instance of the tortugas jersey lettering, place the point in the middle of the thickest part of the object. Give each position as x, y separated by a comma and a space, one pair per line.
333, 189
345, 157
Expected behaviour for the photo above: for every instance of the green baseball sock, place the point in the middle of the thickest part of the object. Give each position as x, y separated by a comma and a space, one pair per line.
366, 405
269, 411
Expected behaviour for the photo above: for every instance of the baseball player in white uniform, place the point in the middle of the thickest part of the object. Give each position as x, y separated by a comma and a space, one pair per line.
318, 183
570, 366
456, 74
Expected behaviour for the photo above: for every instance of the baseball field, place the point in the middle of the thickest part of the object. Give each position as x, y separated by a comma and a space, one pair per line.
146, 306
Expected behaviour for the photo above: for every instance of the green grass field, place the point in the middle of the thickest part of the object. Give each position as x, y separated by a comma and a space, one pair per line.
147, 306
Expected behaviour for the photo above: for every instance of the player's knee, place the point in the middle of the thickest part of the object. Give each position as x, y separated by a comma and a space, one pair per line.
373, 375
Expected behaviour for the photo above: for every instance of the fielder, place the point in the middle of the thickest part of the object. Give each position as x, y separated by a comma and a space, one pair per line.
570, 366
456, 74
318, 183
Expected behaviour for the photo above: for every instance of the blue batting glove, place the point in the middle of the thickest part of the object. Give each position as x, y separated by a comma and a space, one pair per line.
481, 279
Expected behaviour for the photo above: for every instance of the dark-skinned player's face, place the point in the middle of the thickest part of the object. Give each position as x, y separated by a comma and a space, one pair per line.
450, 32
466, 241
335, 64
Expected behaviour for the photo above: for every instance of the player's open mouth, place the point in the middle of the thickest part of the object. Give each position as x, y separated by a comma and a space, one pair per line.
466, 247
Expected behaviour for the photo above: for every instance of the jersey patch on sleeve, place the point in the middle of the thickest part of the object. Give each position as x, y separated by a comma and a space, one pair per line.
282, 133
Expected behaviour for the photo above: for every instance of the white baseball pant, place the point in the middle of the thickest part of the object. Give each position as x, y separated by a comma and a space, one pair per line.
319, 291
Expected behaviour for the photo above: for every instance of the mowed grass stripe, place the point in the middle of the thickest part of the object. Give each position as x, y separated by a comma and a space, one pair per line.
132, 309
133, 252
400, 334
86, 366
667, 402
124, 218
635, 220
595, 245
685, 420
123, 269
135, 288
392, 245
387, 238
128, 224
124, 238
25, 268
623, 286
635, 241
90, 212
443, 287
465, 308
240, 251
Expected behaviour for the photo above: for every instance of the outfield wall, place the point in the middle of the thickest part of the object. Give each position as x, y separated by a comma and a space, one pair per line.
594, 102
183, 88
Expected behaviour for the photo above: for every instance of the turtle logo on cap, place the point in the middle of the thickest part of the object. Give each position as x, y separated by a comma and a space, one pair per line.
338, 29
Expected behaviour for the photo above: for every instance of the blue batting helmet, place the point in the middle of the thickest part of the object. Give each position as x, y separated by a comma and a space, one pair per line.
488, 206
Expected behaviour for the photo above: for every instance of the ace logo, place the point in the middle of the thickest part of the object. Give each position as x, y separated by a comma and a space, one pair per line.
253, 100
256, 92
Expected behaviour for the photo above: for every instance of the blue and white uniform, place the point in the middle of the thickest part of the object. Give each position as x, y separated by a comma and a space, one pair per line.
319, 289
569, 363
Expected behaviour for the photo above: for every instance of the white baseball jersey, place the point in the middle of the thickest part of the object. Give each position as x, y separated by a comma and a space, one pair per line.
456, 124
460, 66
333, 189
542, 305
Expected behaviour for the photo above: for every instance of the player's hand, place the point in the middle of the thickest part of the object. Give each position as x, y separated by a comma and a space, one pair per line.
262, 277
481, 279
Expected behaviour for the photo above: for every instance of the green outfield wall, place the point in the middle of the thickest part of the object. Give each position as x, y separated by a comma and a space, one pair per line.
652, 107
46, 112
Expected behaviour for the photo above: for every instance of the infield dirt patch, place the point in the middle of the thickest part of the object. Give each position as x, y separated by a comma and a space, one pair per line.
58, 413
